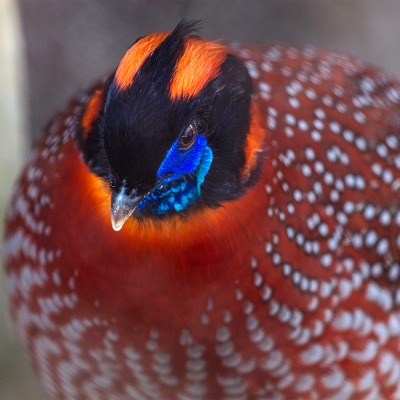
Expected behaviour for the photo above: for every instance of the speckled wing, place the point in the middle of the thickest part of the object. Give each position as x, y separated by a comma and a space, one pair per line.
330, 268
290, 292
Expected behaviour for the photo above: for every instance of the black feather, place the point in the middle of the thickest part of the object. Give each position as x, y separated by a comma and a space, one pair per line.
138, 125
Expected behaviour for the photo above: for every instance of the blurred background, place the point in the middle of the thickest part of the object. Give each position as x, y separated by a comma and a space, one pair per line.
50, 50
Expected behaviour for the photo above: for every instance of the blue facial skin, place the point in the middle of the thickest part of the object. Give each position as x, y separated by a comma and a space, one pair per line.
182, 173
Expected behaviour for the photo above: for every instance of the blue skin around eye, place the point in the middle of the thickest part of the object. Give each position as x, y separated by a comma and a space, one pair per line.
183, 173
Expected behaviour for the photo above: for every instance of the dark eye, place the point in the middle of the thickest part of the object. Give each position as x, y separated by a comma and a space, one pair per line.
112, 184
187, 138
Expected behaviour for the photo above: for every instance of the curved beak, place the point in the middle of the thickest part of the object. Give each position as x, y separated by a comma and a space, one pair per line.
122, 207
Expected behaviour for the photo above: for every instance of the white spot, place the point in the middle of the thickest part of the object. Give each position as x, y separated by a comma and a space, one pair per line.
356, 240
342, 321
383, 246
348, 135
385, 217
264, 87
394, 377
334, 379
274, 307
360, 183
309, 153
361, 143
382, 150
305, 168
289, 131
266, 293
303, 126
274, 360
371, 238
300, 239
258, 279
387, 176
305, 383
392, 142
367, 380
393, 95
251, 67
376, 169
335, 127
323, 229
312, 355
290, 119
367, 85
294, 102
369, 212
310, 93
394, 272
344, 393
334, 196
276, 258
286, 269
297, 195
382, 297
291, 208
367, 354
316, 136
348, 207
376, 270
290, 232
345, 288
296, 277
328, 178
359, 117
319, 113
386, 361
326, 260
327, 100
319, 167
318, 124
266, 67
350, 180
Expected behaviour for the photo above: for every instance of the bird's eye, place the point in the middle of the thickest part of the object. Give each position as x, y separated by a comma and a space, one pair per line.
187, 138
112, 185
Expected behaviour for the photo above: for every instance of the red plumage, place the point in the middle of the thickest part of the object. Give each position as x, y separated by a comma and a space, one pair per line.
289, 292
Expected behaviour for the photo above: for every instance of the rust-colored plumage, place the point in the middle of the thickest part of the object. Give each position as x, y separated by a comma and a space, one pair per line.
290, 291
135, 57
199, 64
91, 112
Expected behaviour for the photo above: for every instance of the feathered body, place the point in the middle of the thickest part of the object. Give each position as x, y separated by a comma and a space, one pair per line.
280, 280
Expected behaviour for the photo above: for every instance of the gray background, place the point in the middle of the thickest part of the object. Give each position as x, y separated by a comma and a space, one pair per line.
65, 45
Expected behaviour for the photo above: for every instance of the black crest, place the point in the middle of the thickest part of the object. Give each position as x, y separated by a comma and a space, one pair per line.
138, 124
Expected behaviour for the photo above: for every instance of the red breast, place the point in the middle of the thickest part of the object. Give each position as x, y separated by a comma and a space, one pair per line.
288, 292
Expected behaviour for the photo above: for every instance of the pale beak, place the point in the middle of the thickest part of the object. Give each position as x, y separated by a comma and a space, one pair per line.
122, 207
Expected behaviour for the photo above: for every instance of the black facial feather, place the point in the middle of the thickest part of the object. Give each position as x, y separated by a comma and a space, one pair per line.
138, 125
93, 147
228, 121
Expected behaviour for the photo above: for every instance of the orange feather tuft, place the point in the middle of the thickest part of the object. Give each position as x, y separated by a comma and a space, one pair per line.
135, 57
199, 64
255, 140
91, 112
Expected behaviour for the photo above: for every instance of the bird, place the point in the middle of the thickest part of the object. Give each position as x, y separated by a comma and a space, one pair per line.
214, 221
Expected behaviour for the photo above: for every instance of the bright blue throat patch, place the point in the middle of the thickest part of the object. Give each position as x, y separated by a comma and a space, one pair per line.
183, 173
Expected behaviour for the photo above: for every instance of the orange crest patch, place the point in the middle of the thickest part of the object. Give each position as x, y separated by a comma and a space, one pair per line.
91, 112
134, 59
199, 64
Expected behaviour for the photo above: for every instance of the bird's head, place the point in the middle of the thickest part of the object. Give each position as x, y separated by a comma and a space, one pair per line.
170, 130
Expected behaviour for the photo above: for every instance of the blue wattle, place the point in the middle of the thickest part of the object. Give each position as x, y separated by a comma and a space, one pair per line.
183, 173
